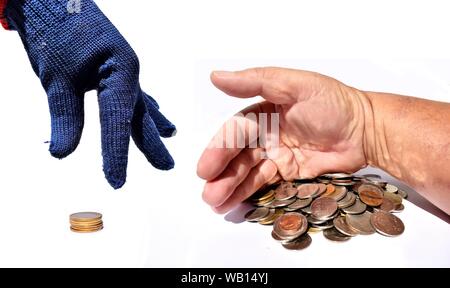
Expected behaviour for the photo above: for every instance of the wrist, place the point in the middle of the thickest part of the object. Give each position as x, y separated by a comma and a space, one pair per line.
377, 123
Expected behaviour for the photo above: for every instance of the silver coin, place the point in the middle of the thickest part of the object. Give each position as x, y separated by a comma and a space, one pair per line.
276, 237
300, 243
402, 193
339, 193
334, 235
307, 210
315, 221
347, 201
340, 223
375, 176
282, 203
361, 223
305, 191
391, 188
378, 182
343, 183
326, 225
285, 194
338, 175
256, 214
356, 208
299, 204
322, 208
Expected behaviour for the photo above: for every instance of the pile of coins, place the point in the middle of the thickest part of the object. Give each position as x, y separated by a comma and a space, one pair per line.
86, 222
341, 205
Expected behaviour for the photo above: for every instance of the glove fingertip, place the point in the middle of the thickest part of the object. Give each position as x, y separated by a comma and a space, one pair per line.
116, 181
166, 163
168, 131
60, 151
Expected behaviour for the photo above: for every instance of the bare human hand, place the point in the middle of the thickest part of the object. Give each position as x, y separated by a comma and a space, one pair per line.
322, 129
326, 126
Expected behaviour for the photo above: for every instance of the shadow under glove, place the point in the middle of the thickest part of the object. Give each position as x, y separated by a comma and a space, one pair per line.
73, 53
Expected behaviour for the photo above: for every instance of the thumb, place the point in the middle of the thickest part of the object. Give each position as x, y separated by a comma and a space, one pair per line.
277, 85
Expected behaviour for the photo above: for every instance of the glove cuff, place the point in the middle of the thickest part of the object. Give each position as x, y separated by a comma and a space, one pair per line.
3, 20
36, 17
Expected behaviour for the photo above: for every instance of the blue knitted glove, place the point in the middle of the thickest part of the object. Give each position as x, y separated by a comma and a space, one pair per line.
73, 52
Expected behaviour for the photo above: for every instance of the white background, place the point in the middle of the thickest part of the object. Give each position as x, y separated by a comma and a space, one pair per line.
158, 218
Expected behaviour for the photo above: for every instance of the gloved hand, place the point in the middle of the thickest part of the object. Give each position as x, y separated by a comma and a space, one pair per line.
73, 52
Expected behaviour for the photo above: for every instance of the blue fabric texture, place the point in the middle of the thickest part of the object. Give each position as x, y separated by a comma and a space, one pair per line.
73, 51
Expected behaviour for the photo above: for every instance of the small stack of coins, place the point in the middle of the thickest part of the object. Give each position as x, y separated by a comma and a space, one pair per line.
341, 205
86, 222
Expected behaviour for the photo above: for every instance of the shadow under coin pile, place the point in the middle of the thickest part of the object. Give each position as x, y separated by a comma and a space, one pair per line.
341, 205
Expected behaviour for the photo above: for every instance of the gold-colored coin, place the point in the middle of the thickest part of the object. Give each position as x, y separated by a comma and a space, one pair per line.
86, 222
273, 217
395, 198
86, 226
265, 197
85, 231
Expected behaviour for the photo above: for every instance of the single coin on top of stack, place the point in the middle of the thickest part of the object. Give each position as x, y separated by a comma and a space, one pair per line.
86, 222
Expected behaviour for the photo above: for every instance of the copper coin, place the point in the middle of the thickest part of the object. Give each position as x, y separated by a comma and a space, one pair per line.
305, 191
398, 208
300, 243
284, 185
356, 208
290, 225
340, 223
395, 198
361, 223
387, 224
256, 214
322, 189
300, 203
286, 193
323, 207
334, 235
370, 194
347, 201
330, 190
387, 205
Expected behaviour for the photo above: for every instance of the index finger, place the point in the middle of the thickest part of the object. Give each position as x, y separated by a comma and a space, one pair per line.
237, 133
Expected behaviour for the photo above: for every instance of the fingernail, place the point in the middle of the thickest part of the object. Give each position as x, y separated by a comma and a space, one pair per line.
222, 74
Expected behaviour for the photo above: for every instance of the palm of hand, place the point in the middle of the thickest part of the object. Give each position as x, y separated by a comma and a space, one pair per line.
320, 133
